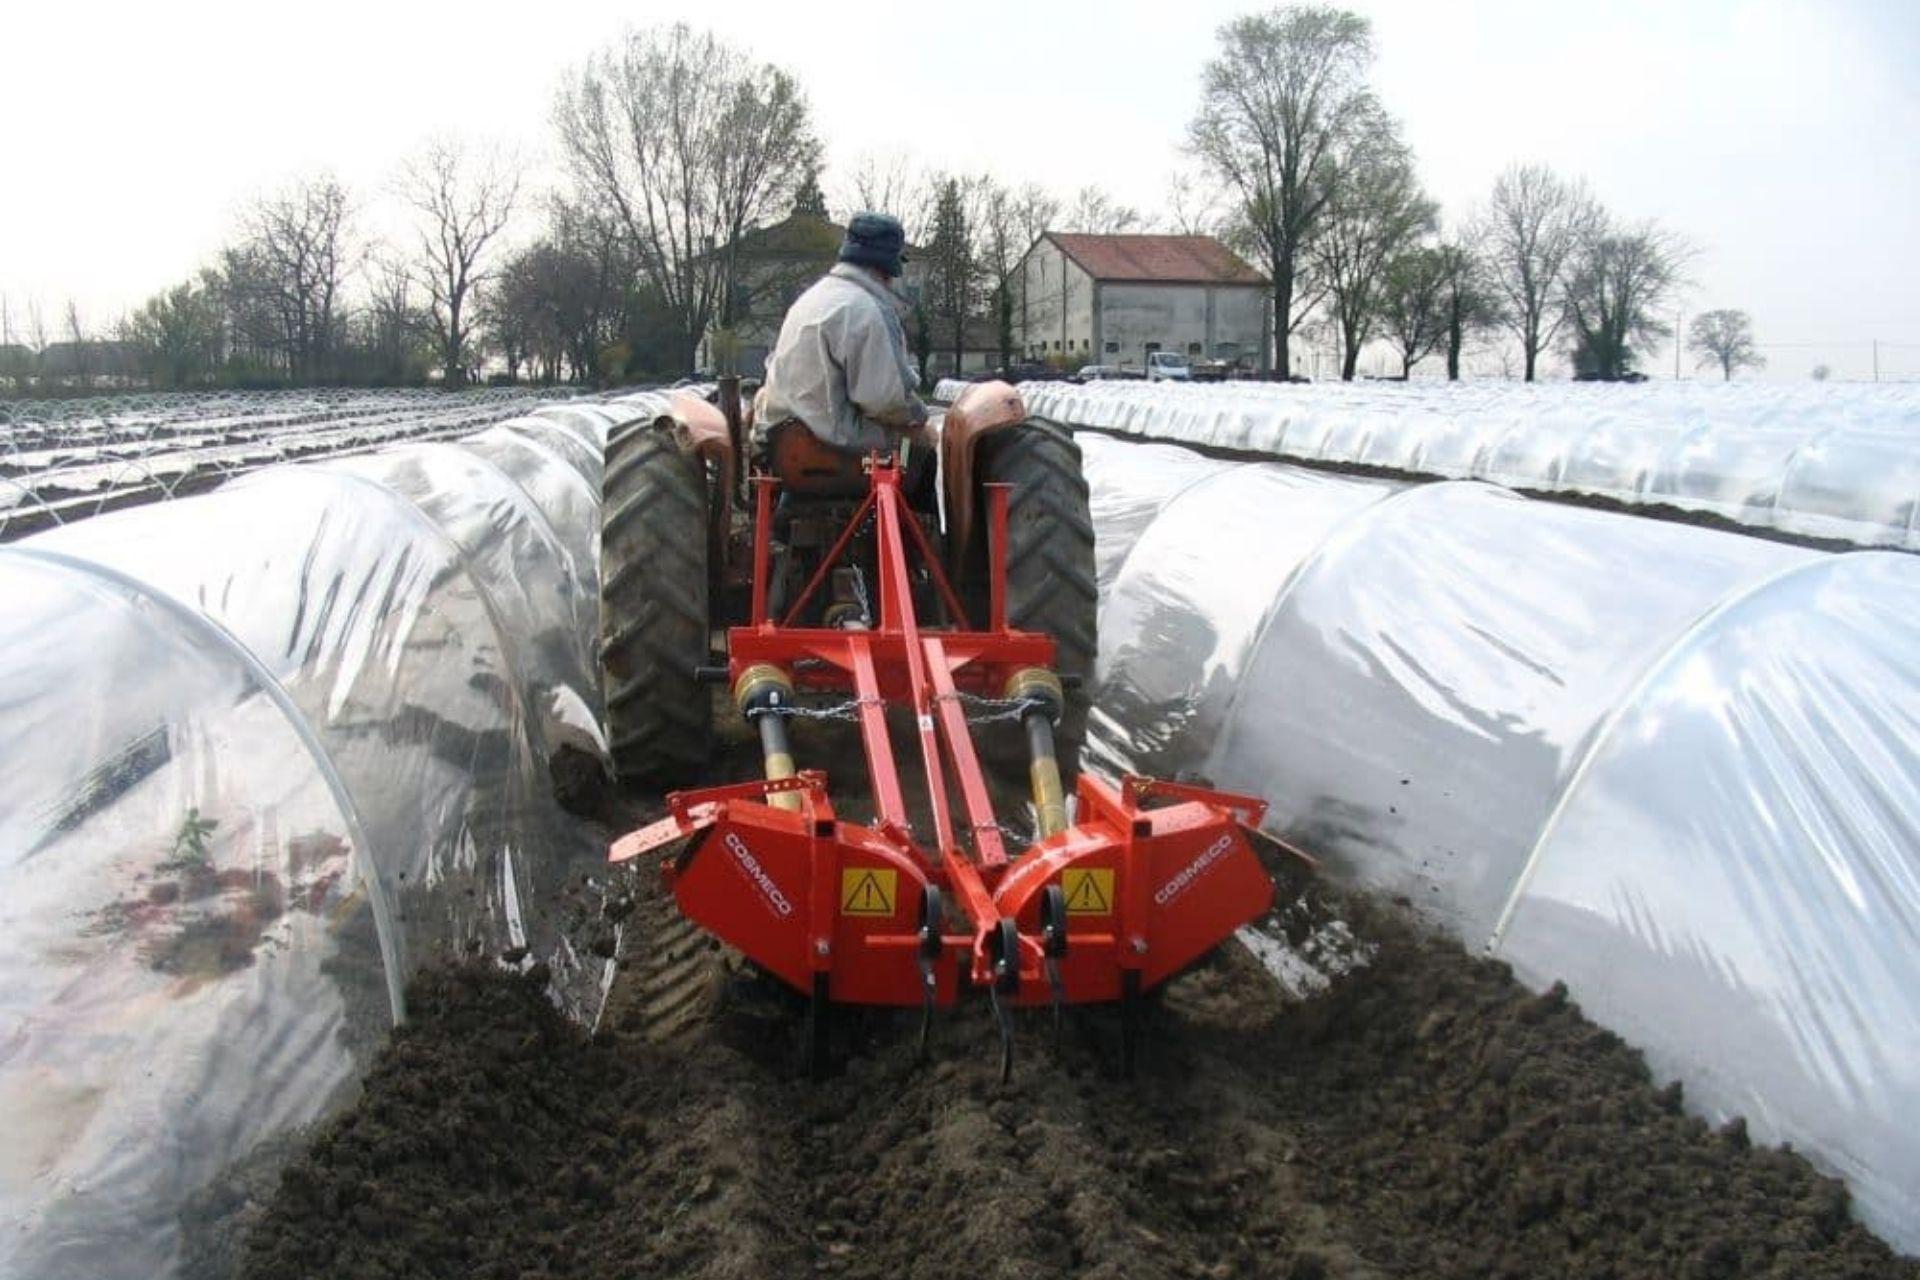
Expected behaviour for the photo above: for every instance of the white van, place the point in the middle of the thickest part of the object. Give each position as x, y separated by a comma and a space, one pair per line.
1163, 366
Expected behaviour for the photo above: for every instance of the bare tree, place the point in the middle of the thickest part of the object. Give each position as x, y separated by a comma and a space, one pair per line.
291, 266
1283, 96
890, 182
1537, 220
16, 358
82, 346
1094, 212
1618, 281
1413, 297
464, 202
1008, 223
1468, 303
395, 330
1725, 338
1375, 209
564, 304
681, 142
1193, 209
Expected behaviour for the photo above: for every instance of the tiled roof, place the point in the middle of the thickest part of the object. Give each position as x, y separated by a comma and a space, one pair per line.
1165, 259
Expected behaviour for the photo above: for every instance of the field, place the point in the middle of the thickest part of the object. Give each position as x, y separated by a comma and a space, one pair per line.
1427, 1117
1395, 1107
1641, 762
62, 460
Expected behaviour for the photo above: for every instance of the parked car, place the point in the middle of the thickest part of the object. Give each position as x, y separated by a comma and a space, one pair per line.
1168, 366
1098, 373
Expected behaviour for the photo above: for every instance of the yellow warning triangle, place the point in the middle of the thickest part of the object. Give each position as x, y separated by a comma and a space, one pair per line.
867, 895
1087, 898
868, 891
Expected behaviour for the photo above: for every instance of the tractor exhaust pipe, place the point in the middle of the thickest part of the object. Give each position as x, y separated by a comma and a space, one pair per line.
1041, 688
764, 694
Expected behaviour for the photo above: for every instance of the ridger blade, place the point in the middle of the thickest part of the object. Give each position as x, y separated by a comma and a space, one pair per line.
800, 894
1146, 891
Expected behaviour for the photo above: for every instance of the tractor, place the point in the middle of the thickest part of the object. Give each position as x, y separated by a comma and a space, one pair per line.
836, 598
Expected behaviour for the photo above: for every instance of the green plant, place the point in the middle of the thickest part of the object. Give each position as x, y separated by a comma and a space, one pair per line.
190, 841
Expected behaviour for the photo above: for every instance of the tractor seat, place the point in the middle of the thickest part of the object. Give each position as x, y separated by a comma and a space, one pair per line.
808, 467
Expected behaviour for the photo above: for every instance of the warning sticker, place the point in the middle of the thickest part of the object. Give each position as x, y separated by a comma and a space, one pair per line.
868, 891
1089, 891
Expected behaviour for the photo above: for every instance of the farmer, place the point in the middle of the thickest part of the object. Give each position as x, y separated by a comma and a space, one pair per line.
840, 364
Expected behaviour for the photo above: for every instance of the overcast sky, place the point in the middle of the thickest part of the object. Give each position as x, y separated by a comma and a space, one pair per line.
1782, 139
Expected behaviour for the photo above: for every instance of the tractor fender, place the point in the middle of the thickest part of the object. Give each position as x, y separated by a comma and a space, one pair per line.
701, 429
979, 411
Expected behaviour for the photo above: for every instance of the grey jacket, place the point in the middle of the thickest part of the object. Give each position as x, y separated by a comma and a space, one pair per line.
840, 364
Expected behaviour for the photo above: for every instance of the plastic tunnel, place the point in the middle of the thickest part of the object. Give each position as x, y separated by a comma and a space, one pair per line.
269, 750
1676, 768
1831, 462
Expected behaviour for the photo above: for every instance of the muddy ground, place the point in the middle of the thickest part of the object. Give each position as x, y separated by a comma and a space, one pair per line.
1426, 1117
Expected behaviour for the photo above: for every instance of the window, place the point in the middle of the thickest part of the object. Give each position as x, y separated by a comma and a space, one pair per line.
1056, 344
1194, 349
1113, 348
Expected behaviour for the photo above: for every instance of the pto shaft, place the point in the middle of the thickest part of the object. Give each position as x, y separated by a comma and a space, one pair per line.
764, 693
1041, 689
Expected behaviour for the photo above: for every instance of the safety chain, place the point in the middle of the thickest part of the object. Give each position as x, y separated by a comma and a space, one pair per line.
849, 710
986, 710
992, 710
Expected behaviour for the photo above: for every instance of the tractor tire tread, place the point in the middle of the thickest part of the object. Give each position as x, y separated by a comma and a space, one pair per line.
654, 607
1051, 585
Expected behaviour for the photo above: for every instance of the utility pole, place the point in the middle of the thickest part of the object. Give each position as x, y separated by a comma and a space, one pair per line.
1679, 321
1876, 359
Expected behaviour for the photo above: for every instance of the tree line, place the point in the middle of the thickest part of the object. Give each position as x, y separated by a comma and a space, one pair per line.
676, 144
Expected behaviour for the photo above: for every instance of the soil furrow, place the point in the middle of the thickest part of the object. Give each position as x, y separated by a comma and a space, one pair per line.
1426, 1116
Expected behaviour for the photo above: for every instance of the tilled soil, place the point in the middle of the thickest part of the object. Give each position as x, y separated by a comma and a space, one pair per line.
1427, 1116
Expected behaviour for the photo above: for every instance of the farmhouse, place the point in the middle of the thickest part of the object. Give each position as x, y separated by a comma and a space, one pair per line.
772, 266
1114, 299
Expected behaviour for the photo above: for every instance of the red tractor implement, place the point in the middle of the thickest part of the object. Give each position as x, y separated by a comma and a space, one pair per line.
1147, 878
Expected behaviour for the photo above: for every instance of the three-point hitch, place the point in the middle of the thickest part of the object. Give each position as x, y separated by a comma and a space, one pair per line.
1148, 878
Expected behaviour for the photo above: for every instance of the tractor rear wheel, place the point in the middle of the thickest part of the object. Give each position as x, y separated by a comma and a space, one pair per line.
653, 606
1050, 575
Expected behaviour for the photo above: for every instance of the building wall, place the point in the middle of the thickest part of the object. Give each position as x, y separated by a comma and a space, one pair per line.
1053, 312
940, 363
1240, 329
1200, 321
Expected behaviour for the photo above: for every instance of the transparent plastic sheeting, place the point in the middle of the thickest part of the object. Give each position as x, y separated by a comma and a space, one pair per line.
1677, 768
1828, 461
62, 461
266, 751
